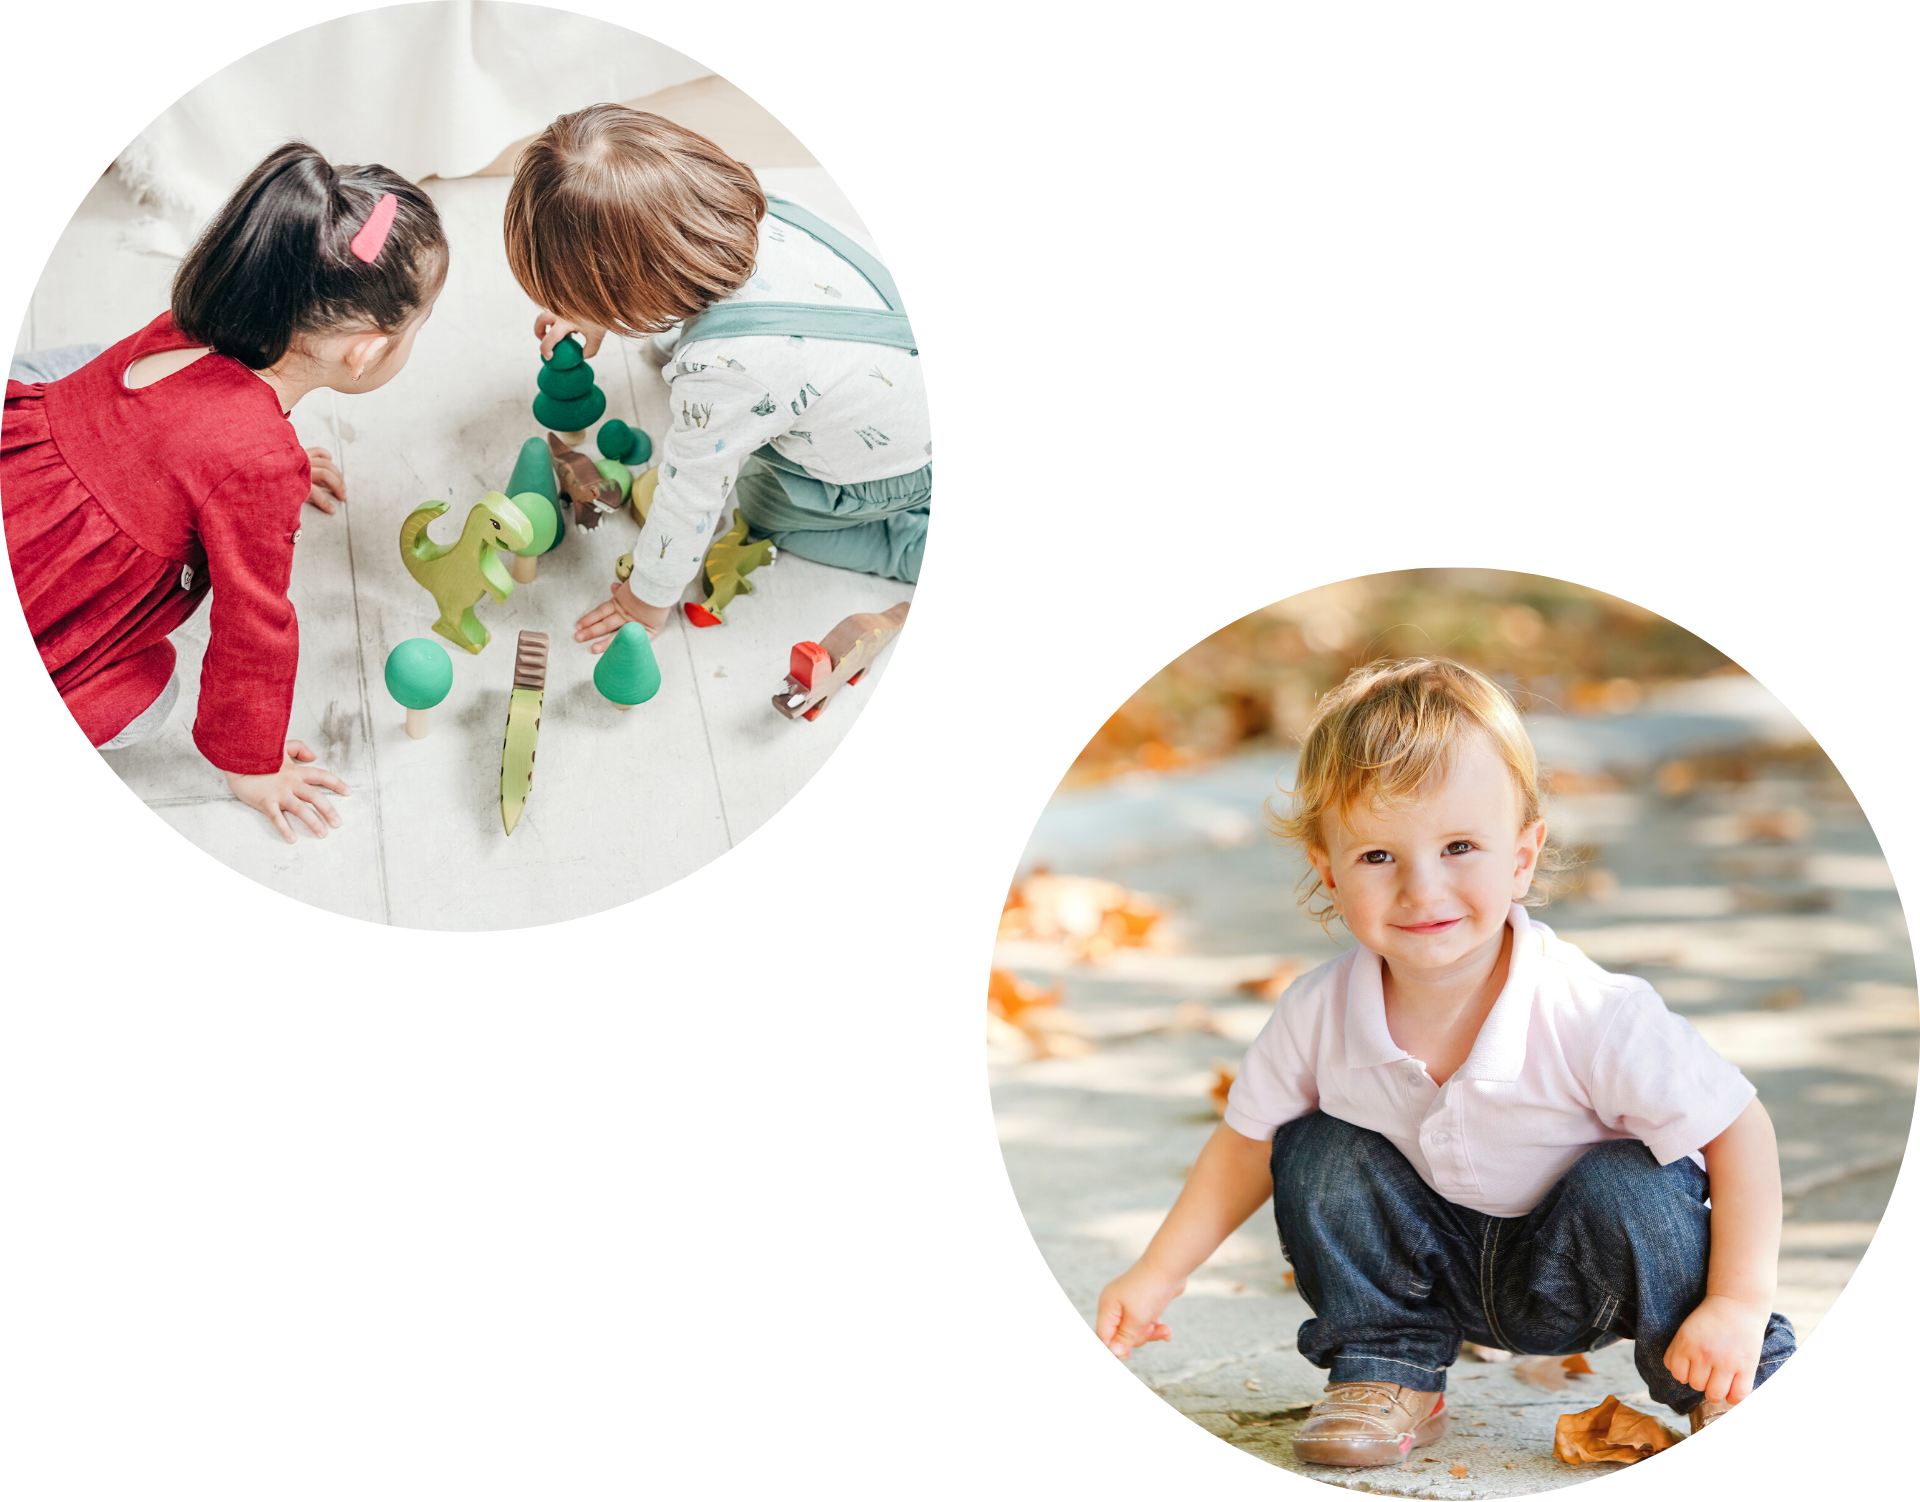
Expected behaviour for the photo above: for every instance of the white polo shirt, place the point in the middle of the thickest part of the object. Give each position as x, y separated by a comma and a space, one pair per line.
1569, 1056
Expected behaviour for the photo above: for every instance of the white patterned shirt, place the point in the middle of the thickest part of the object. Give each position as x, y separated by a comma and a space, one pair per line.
842, 411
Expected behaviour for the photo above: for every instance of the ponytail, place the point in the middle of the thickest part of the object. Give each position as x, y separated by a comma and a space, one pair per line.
276, 262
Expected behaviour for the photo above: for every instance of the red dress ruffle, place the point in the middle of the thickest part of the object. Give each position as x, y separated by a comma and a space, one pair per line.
123, 508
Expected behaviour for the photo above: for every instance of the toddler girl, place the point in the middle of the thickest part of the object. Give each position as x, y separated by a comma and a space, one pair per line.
1470, 1130
165, 468
796, 390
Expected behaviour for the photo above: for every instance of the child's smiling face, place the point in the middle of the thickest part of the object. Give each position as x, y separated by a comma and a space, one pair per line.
1427, 883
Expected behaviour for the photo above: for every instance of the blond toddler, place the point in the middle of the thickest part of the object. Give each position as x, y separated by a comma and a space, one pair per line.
1468, 1129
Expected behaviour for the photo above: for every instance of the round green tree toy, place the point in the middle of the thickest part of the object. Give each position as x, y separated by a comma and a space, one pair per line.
419, 673
533, 475
628, 445
628, 673
568, 402
545, 517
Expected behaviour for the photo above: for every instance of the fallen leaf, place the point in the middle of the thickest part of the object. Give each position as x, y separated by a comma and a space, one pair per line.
1550, 1372
1611, 1431
1253, 1384
1223, 1078
1008, 995
1088, 917
1270, 987
1456, 1470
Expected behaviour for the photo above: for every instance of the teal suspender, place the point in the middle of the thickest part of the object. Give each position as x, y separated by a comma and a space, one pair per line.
735, 320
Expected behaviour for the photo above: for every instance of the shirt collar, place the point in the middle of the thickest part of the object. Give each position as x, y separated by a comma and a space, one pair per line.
1499, 1051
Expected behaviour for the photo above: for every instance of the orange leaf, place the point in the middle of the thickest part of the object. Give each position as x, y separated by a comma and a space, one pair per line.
1456, 1470
1223, 1078
1008, 995
1270, 987
1611, 1431
1550, 1372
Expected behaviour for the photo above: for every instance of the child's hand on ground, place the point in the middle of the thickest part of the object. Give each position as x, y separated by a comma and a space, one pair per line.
550, 330
1718, 1347
327, 481
294, 789
599, 624
1130, 1310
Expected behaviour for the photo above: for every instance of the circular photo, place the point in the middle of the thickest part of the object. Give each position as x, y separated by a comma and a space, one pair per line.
1453, 1033
464, 466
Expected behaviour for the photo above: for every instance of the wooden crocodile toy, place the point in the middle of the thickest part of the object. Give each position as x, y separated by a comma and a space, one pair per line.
461, 575
819, 670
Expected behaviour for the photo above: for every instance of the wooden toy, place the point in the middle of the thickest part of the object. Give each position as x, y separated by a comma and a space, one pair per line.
631, 446
593, 495
523, 726
533, 475
729, 561
419, 673
819, 670
628, 673
460, 576
614, 470
642, 496
545, 519
568, 399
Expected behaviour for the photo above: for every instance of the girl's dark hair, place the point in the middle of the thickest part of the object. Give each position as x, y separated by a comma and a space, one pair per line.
275, 262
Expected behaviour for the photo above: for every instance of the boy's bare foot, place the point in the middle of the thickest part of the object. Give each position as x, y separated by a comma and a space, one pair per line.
1706, 1412
1369, 1423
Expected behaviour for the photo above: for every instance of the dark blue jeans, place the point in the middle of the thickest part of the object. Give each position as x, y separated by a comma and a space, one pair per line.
1397, 1276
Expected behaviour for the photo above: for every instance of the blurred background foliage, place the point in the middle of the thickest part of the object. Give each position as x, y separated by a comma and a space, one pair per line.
1555, 646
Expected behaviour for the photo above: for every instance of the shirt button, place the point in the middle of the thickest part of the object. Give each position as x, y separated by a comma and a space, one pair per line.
1441, 1139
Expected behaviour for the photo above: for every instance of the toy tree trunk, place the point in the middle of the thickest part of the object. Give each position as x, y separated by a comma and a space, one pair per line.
819, 670
568, 399
592, 494
419, 722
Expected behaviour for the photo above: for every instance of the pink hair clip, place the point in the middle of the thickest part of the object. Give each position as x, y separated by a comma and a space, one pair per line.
373, 234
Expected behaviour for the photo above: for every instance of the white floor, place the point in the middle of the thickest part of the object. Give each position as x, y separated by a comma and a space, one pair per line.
622, 803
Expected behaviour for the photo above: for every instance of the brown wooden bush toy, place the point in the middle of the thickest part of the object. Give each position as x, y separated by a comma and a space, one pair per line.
819, 670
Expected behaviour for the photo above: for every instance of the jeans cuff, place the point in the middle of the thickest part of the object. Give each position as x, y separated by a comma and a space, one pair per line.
1418, 1375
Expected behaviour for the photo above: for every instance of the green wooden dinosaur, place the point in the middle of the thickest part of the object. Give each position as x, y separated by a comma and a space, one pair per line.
460, 576
729, 561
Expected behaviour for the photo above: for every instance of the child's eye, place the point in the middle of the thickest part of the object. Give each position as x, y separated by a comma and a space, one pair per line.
1459, 847
1376, 857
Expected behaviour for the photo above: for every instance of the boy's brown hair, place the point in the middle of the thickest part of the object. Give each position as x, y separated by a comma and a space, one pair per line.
628, 221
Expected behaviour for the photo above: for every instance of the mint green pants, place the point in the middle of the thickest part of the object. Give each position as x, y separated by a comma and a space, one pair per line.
873, 527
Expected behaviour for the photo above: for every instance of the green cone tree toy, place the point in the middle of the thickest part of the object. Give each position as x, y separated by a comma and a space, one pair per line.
568, 402
628, 673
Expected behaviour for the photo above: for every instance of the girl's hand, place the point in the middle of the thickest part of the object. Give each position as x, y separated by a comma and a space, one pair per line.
293, 789
327, 480
1130, 1310
1718, 1348
599, 624
550, 330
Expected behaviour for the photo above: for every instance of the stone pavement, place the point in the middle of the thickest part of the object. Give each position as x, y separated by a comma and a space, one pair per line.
1726, 862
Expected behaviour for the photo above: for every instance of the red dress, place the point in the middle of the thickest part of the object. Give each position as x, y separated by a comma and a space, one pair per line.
123, 508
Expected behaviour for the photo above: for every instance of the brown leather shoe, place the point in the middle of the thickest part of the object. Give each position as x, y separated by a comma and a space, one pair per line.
1705, 1412
1369, 1423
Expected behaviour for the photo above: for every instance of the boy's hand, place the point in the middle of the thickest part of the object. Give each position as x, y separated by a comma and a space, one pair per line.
599, 624
550, 330
1130, 1310
327, 480
293, 789
1718, 1348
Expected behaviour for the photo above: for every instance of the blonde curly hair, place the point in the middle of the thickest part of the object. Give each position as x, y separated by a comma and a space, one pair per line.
1379, 737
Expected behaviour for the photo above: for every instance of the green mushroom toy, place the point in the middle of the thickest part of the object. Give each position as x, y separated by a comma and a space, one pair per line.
545, 519
628, 673
628, 445
419, 674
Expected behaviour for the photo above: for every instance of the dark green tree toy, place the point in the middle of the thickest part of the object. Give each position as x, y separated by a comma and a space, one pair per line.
568, 402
